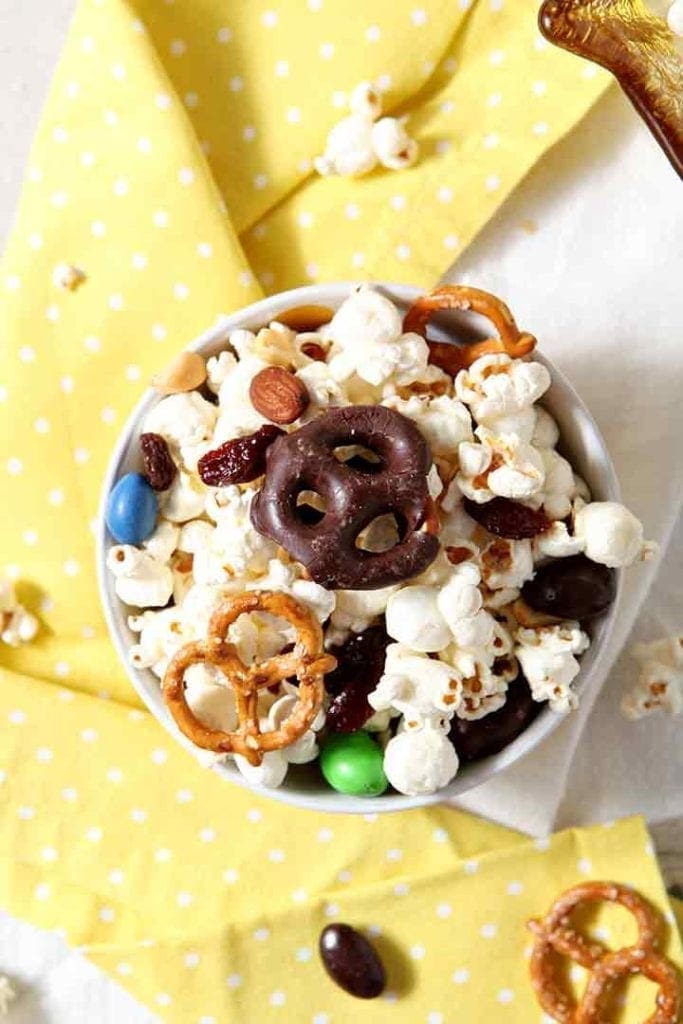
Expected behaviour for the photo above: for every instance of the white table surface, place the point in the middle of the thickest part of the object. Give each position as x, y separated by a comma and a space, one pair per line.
608, 159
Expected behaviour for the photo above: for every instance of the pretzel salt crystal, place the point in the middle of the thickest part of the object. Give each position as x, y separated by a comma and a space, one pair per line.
453, 358
622, 964
554, 934
307, 662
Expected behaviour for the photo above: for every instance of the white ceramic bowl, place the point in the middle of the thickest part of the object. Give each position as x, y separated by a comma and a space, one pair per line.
304, 787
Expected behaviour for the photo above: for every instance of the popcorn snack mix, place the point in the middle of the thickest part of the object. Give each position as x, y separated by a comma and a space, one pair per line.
354, 545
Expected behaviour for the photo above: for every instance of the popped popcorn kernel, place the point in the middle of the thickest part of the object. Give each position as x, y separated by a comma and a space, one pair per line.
68, 277
357, 143
460, 639
660, 682
17, 625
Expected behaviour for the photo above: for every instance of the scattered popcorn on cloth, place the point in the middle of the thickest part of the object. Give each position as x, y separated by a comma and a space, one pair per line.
17, 625
660, 683
360, 141
68, 277
458, 635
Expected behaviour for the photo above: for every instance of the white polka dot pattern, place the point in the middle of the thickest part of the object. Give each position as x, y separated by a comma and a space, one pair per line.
445, 917
174, 168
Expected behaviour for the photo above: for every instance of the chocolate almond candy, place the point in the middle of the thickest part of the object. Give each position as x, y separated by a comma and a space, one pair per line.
571, 588
477, 738
351, 961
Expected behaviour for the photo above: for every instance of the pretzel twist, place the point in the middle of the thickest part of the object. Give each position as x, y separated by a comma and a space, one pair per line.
453, 358
307, 662
554, 934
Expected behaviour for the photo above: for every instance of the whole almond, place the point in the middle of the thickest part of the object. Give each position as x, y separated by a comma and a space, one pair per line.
278, 395
184, 373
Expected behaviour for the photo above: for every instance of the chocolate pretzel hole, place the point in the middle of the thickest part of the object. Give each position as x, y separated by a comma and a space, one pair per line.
382, 534
358, 457
310, 507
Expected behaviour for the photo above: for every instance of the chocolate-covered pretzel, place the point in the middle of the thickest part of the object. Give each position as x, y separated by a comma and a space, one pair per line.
305, 461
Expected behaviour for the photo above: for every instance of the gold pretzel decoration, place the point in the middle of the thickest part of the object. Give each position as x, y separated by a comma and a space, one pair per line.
307, 662
637, 47
453, 358
554, 934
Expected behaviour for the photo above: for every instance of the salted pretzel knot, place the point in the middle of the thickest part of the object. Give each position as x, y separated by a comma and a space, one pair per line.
307, 662
554, 934
622, 964
453, 358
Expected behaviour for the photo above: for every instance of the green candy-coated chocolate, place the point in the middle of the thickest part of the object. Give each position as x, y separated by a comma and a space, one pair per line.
352, 763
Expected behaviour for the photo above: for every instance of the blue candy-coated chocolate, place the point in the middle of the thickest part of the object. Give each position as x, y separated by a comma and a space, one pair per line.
131, 509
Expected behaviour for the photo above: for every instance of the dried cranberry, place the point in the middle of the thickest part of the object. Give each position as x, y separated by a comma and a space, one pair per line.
508, 518
238, 461
360, 664
456, 555
571, 588
159, 467
314, 351
482, 737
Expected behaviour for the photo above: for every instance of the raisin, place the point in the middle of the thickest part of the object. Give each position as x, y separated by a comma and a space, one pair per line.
159, 467
571, 588
508, 518
360, 664
482, 737
240, 460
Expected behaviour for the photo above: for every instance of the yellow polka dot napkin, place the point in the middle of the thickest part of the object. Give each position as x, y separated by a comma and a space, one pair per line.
173, 166
206, 902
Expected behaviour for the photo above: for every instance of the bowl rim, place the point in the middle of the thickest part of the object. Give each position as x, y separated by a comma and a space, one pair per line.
326, 799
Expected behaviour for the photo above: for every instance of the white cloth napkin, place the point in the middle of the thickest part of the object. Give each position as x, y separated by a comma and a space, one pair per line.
600, 284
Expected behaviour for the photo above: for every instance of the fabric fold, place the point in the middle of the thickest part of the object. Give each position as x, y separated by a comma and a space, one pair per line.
173, 167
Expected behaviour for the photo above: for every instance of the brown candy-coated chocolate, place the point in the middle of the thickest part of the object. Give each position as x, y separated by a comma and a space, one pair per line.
571, 588
351, 961
305, 460
482, 737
